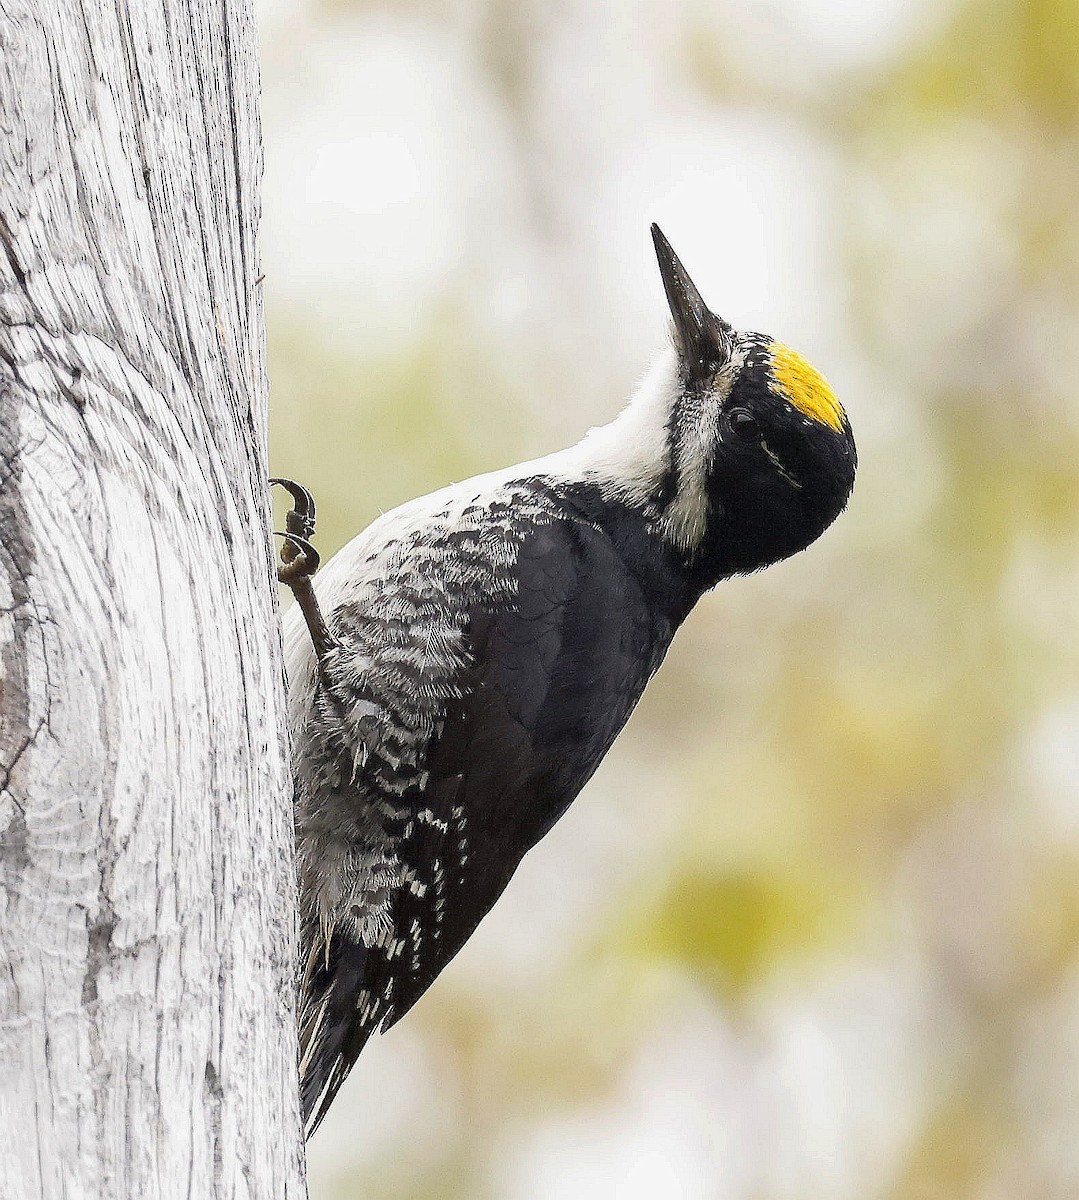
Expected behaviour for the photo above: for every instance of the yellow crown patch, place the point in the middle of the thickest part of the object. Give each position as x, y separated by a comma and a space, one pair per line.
805, 387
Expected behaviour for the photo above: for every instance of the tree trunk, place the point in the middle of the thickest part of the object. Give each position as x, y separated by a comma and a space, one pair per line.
147, 1044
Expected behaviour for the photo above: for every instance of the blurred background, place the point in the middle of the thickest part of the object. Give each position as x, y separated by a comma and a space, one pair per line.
812, 933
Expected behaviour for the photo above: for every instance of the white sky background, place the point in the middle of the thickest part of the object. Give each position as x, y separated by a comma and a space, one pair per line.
396, 176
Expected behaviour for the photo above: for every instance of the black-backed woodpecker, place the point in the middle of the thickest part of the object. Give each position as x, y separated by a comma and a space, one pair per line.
482, 647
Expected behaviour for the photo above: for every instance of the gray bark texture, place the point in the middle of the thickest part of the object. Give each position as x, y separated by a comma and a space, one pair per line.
147, 1037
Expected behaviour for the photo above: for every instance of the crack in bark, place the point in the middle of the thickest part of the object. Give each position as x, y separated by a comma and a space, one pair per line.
99, 933
9, 770
16, 562
8, 242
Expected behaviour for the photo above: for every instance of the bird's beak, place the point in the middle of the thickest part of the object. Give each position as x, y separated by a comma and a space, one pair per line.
703, 340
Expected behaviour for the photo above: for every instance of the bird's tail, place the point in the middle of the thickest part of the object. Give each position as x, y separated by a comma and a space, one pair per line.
337, 1016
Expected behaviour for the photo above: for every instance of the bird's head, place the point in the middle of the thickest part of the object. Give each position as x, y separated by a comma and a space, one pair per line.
760, 456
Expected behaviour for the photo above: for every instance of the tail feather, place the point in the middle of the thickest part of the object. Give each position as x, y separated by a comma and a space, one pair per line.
337, 1016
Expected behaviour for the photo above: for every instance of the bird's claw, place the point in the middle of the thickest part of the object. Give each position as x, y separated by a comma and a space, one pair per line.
299, 559
301, 517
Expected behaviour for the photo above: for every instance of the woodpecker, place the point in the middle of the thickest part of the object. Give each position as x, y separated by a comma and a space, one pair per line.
463, 665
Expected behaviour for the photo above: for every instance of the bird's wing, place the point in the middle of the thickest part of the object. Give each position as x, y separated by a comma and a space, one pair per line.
546, 682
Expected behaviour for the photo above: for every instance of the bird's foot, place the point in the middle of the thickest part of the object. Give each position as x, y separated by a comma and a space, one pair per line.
300, 560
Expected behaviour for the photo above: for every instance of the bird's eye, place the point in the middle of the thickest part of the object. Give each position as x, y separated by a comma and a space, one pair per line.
743, 424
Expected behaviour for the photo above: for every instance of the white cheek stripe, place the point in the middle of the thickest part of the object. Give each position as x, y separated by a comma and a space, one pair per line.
777, 462
686, 518
630, 456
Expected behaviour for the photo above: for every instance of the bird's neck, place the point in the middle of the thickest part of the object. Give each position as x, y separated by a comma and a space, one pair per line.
627, 476
652, 456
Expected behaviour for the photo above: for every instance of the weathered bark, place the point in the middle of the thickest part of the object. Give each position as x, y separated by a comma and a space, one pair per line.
147, 1041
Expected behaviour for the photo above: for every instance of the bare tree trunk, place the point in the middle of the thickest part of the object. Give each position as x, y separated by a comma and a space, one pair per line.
147, 1043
